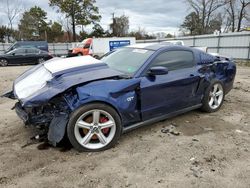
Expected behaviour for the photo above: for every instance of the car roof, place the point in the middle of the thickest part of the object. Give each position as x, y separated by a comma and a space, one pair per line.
158, 46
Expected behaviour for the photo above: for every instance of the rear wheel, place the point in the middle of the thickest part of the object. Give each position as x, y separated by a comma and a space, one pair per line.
214, 97
94, 127
3, 62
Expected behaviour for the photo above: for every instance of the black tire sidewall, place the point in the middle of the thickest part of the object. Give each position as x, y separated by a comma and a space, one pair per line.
6, 63
81, 110
205, 101
40, 60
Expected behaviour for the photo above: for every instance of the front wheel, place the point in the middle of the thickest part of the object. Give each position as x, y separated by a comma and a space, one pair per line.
40, 60
213, 97
3, 62
94, 127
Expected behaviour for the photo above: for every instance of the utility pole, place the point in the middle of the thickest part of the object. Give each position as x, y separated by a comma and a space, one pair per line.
113, 24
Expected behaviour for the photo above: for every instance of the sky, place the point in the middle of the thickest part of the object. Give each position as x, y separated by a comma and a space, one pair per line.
152, 15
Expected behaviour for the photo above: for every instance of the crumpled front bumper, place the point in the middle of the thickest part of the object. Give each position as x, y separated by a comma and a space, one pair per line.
53, 122
22, 114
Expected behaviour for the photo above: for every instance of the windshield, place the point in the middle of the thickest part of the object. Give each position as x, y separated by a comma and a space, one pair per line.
127, 60
12, 47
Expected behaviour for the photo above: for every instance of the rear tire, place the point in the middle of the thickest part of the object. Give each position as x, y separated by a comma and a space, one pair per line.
213, 97
94, 127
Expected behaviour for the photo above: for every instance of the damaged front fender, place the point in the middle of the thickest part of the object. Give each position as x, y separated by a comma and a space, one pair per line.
122, 95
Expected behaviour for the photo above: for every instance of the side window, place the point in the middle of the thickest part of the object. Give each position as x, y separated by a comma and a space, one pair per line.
174, 60
20, 51
32, 51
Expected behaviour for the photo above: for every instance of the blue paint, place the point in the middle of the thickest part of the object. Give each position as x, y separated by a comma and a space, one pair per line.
140, 97
118, 44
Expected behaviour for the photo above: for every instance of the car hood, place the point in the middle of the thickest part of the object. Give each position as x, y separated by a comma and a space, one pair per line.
63, 74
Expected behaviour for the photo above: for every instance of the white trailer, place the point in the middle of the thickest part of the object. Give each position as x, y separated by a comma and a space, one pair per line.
100, 46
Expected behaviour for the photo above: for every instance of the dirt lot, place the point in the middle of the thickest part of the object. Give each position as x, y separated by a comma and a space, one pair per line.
212, 150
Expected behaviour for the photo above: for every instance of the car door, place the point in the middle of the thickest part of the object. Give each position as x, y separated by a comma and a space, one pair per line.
32, 55
16, 56
176, 90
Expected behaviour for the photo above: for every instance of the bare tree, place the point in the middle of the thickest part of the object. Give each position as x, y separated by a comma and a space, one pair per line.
66, 24
242, 13
120, 26
206, 10
231, 13
237, 12
13, 9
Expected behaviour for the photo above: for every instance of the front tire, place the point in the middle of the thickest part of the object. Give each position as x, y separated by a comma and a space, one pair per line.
213, 97
40, 60
3, 62
94, 127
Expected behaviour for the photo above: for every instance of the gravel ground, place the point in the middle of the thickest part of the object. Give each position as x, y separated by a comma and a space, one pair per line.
212, 150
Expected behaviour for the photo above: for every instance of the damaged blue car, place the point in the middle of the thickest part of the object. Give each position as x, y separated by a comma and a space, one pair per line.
93, 101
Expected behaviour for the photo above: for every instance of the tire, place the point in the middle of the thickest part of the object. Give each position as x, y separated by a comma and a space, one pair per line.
213, 97
86, 131
96, 57
3, 62
40, 60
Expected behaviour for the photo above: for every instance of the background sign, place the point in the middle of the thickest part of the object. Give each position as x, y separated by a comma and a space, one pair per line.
117, 44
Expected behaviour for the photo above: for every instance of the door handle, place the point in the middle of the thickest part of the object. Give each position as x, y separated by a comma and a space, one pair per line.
191, 75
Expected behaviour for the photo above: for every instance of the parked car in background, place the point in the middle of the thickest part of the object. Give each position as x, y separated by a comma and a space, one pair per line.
24, 55
42, 45
174, 42
97, 47
94, 101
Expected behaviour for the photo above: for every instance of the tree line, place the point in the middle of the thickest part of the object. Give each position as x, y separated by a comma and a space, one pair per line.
208, 16
205, 17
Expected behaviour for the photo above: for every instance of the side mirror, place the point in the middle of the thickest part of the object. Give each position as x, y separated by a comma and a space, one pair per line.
157, 71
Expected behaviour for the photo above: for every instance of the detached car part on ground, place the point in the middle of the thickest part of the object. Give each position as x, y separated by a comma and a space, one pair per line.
94, 101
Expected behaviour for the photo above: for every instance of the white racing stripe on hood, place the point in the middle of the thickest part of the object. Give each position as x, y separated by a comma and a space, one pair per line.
58, 65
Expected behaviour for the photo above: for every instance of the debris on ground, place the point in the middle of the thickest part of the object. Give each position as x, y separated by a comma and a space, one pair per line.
38, 138
196, 171
208, 129
170, 130
195, 140
3, 180
238, 131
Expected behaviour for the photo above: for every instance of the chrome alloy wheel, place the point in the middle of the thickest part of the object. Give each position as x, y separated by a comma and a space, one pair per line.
216, 96
3, 62
95, 129
41, 60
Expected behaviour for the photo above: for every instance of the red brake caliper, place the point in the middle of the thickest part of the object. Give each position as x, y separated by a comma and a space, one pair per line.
103, 120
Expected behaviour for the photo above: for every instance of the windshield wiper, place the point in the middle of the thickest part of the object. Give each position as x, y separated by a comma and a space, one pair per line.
125, 76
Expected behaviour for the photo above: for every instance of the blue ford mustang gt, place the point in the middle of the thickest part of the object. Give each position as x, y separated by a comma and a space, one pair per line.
93, 101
